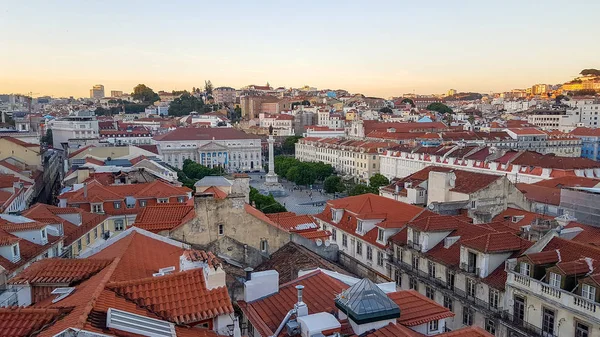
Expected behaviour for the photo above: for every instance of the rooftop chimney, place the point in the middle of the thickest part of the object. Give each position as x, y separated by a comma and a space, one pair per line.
248, 271
301, 307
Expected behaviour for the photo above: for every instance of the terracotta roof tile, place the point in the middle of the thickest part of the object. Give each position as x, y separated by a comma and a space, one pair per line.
162, 217
57, 270
436, 223
416, 309
541, 194
392, 330
12, 227
547, 257
497, 243
180, 134
471, 331
24, 322
181, 297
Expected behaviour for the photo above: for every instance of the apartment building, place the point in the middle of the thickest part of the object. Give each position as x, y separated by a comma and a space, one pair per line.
97, 91
355, 158
590, 142
361, 226
552, 288
518, 166
459, 265
80, 127
283, 124
122, 202
224, 95
532, 139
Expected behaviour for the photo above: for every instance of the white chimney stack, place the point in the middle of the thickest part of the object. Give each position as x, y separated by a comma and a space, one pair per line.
261, 284
301, 307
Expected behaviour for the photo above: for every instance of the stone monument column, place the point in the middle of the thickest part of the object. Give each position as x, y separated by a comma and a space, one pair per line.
271, 176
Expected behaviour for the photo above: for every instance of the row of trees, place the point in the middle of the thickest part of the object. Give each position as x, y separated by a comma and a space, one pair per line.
302, 173
440, 107
335, 184
192, 172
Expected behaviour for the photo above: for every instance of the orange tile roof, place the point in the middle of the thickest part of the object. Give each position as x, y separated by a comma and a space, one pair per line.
20, 142
12, 227
162, 217
392, 330
314, 235
436, 223
497, 243
23, 322
541, 194
569, 181
7, 239
181, 297
319, 293
547, 257
416, 309
527, 217
56, 270
216, 192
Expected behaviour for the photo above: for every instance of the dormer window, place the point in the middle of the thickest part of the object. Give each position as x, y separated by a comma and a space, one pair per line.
380, 235
43, 233
524, 270
97, 208
117, 204
555, 280
359, 226
163, 200
588, 292
16, 254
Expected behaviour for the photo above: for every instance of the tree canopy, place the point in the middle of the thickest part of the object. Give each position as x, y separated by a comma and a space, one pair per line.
439, 107
584, 92
302, 173
265, 203
594, 72
144, 94
378, 180
208, 87
386, 110
333, 184
289, 145
185, 104
47, 138
409, 101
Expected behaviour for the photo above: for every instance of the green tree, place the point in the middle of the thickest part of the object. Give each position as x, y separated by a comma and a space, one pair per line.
47, 138
378, 180
185, 104
289, 145
439, 107
594, 72
359, 189
386, 110
144, 94
333, 184
208, 87
584, 92
265, 203
409, 101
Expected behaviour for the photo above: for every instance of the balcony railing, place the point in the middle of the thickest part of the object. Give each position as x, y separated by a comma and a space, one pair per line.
522, 326
559, 296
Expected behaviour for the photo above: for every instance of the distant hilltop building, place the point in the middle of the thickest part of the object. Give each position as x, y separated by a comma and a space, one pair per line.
451, 92
97, 91
116, 93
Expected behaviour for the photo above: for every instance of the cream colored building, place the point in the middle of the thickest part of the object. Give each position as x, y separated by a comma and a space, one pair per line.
352, 158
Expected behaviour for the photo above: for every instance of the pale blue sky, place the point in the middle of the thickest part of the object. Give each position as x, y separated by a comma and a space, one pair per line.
379, 48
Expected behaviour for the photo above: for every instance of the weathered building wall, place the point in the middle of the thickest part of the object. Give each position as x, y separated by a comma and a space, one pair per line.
238, 226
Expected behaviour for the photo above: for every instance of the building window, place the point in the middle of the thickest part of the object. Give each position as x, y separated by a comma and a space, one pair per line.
470, 287
415, 237
467, 317
163, 200
399, 254
524, 269
398, 277
87, 239
431, 269
380, 235
588, 292
450, 279
369, 253
344, 240
490, 326
358, 248
97, 208
95, 233
102, 228
16, 250
79, 245
221, 229
379, 258
415, 261
181, 199
429, 292
117, 204
519, 309
448, 302
263, 246
413, 283
359, 226
494, 298
143, 203
582, 330
119, 226
548, 322
433, 326
334, 234
555, 280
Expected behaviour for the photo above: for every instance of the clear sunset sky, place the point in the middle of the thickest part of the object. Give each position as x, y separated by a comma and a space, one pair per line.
379, 48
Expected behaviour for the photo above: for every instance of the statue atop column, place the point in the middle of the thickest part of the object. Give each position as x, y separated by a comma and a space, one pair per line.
272, 184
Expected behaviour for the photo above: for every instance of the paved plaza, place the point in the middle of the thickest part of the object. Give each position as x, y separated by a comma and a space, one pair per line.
300, 200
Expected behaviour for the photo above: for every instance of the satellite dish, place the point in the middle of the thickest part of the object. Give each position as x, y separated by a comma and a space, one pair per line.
430, 206
319, 242
327, 243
